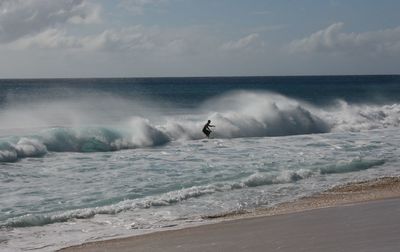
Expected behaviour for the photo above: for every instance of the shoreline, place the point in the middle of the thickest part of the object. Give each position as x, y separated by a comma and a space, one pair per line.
345, 194
356, 194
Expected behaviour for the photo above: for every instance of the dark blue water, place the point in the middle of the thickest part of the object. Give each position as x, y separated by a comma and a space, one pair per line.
189, 92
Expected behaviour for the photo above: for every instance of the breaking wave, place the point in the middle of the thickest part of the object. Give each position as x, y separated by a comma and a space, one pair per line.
236, 114
92, 139
352, 166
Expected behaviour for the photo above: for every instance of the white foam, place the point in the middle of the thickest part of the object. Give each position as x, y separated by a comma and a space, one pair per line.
236, 114
26, 147
351, 117
8, 155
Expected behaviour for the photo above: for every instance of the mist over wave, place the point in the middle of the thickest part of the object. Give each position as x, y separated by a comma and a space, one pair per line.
235, 114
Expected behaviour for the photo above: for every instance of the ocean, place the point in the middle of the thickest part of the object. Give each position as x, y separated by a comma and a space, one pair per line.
89, 159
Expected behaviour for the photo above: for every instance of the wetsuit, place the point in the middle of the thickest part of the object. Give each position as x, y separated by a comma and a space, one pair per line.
206, 129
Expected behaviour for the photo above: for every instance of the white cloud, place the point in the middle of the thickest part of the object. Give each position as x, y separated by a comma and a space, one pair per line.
129, 40
19, 18
241, 43
333, 40
126, 39
48, 39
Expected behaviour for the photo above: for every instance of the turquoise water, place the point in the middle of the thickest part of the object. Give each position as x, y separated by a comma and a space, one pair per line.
96, 158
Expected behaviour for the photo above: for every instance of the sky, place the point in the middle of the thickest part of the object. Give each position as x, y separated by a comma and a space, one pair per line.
178, 38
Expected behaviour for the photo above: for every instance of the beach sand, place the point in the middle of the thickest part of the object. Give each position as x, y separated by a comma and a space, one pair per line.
363, 216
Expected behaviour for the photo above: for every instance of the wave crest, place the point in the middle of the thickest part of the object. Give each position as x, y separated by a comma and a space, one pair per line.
236, 114
91, 139
357, 164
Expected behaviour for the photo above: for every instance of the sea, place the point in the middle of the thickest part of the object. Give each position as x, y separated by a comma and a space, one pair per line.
91, 159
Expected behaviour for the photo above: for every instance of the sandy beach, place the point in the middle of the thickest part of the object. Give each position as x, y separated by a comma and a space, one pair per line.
363, 216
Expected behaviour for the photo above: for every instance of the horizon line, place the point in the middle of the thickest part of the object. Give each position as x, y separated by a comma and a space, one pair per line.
195, 77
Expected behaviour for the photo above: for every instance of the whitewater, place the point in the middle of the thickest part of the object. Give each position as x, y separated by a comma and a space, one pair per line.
83, 160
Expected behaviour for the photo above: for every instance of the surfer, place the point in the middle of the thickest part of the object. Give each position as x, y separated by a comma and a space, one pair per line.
206, 128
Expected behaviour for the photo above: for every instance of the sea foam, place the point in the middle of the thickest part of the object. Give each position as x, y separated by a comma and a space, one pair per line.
173, 197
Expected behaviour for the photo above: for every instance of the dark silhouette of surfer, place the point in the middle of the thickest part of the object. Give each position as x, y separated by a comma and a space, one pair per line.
206, 128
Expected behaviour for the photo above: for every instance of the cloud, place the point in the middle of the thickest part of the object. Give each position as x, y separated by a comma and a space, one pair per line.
130, 40
333, 40
19, 18
242, 43
127, 39
49, 39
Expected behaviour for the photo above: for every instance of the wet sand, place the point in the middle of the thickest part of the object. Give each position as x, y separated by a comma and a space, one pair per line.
361, 216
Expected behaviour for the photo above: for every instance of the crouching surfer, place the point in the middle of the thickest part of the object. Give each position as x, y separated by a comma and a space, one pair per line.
206, 128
